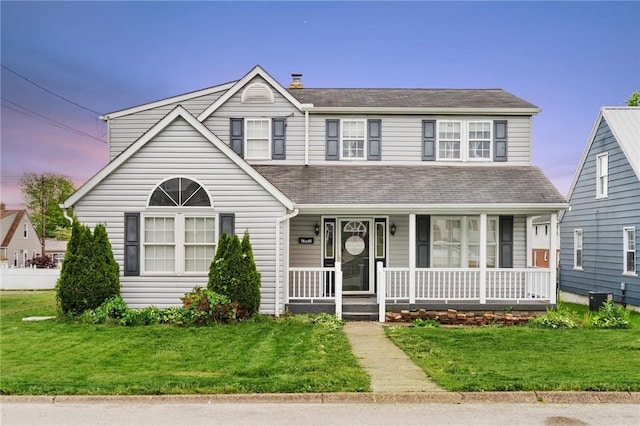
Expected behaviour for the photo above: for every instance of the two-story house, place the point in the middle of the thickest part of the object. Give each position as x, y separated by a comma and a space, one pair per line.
19, 242
599, 230
413, 197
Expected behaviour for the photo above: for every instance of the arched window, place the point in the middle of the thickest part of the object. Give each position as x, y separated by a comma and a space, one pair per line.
257, 93
179, 192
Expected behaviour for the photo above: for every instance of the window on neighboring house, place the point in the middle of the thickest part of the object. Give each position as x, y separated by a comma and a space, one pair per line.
25, 230
257, 140
602, 172
449, 140
479, 140
577, 248
629, 244
353, 137
546, 230
182, 241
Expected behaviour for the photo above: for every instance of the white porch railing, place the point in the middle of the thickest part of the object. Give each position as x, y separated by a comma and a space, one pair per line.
317, 285
464, 284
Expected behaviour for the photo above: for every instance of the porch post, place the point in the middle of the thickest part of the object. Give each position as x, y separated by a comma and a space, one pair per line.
338, 290
382, 291
412, 258
530, 242
483, 258
553, 255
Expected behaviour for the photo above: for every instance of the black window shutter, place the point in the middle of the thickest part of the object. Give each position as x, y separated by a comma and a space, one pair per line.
423, 237
333, 140
278, 137
132, 244
428, 140
506, 241
236, 136
500, 140
374, 139
227, 223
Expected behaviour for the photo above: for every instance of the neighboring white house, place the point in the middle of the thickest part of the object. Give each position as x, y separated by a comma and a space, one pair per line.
540, 228
405, 197
19, 242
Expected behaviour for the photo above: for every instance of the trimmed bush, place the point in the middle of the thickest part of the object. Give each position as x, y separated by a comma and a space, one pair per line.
249, 282
90, 274
610, 315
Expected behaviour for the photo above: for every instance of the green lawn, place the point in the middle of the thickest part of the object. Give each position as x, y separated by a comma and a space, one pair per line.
523, 358
51, 357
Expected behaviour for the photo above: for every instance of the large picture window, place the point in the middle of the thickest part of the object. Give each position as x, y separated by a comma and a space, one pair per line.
456, 242
629, 244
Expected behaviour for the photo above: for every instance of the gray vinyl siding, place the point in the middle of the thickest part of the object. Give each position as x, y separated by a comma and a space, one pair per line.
519, 242
123, 131
179, 150
402, 136
398, 256
602, 222
305, 255
218, 122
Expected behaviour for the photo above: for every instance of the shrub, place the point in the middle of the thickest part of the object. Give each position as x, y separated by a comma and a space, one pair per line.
90, 274
249, 280
561, 317
428, 323
610, 315
205, 306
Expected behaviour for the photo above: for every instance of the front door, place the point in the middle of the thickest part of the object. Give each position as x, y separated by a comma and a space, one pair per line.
355, 252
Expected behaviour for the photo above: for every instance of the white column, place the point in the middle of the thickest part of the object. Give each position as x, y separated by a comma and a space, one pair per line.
530, 241
382, 291
338, 290
412, 258
483, 257
553, 255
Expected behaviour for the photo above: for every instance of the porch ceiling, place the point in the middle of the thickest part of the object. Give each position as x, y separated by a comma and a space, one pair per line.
428, 186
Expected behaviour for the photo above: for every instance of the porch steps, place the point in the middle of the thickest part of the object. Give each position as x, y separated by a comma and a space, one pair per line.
359, 308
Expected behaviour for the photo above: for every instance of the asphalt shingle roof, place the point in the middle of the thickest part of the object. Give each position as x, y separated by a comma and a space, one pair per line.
410, 98
427, 185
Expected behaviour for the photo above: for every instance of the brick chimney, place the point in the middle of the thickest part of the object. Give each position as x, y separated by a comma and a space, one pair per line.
296, 83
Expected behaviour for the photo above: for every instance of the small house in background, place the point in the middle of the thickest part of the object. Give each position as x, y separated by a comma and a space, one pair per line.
540, 228
20, 242
55, 249
599, 231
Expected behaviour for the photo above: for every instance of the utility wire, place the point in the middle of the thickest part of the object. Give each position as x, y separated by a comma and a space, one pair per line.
49, 121
49, 91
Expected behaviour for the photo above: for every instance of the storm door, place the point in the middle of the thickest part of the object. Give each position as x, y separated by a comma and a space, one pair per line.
355, 245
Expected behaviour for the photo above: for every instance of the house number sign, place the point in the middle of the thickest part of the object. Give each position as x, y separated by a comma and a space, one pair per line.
305, 240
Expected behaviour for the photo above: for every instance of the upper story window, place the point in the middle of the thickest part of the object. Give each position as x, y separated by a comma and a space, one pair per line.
257, 141
629, 249
602, 175
25, 230
577, 249
353, 139
179, 192
464, 140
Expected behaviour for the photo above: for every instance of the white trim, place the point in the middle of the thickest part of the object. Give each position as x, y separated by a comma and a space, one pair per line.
167, 101
178, 111
425, 111
364, 139
331, 210
625, 244
256, 71
577, 232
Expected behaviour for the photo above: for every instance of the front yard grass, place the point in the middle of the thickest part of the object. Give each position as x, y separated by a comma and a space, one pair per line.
523, 358
258, 356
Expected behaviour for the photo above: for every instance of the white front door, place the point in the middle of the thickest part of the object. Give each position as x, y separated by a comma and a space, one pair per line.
356, 255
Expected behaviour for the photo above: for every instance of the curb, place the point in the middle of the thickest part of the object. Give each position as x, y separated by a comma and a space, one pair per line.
342, 398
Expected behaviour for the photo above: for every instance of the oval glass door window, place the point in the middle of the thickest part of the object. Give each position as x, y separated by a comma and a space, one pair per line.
354, 245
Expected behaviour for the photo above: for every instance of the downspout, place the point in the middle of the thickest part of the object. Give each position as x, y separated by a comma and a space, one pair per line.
64, 213
306, 137
278, 222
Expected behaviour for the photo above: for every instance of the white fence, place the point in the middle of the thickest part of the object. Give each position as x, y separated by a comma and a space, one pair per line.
28, 278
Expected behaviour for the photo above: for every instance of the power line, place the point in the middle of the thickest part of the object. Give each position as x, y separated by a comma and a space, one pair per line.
49, 121
49, 91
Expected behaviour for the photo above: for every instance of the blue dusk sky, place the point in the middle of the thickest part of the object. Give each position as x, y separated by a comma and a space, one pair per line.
569, 58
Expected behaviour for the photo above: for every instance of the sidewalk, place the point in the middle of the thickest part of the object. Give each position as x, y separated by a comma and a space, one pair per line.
390, 369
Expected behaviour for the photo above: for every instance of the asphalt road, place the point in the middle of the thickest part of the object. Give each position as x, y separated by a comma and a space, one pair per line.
123, 413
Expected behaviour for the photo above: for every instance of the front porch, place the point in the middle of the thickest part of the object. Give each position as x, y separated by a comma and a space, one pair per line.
316, 290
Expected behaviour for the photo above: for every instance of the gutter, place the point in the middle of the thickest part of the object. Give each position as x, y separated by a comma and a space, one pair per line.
278, 222
64, 213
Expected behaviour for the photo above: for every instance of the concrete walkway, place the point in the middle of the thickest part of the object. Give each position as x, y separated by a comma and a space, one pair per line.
390, 369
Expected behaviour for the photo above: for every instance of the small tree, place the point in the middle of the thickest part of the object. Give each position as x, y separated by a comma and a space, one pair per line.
217, 269
634, 99
249, 291
90, 274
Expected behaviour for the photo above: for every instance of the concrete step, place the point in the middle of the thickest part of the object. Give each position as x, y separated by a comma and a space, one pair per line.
359, 316
360, 307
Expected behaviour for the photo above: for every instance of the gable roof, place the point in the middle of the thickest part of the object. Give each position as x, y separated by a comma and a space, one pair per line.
624, 123
168, 101
178, 111
19, 215
412, 98
256, 71
398, 187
